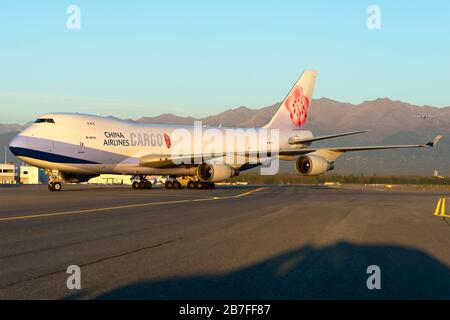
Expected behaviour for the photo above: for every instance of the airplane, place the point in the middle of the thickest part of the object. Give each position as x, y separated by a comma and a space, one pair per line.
424, 116
74, 148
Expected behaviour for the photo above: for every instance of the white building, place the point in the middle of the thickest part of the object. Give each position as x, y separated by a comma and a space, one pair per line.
7, 173
29, 175
111, 179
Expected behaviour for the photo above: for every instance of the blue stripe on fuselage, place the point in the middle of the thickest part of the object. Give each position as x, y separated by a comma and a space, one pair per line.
47, 156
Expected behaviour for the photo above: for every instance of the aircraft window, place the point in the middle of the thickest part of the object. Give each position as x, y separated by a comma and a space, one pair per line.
41, 120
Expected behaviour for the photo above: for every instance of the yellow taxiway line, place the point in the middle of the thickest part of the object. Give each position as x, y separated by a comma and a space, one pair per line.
64, 213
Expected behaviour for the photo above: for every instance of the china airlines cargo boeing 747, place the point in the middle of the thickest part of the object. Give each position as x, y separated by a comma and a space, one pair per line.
76, 147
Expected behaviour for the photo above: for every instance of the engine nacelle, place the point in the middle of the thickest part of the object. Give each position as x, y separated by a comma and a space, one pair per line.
312, 165
215, 172
77, 177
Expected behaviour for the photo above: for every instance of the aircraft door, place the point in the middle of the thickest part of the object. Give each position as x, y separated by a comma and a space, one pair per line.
81, 147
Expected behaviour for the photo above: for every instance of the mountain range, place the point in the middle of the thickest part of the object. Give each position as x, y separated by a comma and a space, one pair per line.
391, 122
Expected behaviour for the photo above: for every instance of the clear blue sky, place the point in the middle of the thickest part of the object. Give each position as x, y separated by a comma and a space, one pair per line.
143, 58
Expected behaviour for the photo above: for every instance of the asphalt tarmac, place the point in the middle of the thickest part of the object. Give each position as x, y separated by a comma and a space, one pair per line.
252, 242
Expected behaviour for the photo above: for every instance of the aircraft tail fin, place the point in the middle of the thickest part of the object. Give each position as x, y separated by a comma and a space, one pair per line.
293, 111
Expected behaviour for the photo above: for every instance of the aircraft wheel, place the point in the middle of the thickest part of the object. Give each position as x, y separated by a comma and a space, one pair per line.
190, 185
51, 187
202, 185
196, 185
176, 185
168, 185
57, 186
135, 185
148, 185
142, 184
211, 185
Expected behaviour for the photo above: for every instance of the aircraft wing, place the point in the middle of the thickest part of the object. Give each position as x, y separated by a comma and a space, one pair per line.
167, 161
334, 153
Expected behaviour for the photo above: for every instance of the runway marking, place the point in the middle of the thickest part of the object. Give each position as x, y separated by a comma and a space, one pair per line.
63, 213
440, 208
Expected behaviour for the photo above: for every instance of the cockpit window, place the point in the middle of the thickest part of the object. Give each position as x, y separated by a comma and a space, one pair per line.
41, 120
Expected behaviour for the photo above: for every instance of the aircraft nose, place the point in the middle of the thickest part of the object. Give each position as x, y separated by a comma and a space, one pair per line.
16, 144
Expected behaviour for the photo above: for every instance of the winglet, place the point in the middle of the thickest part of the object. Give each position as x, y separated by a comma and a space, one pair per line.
435, 140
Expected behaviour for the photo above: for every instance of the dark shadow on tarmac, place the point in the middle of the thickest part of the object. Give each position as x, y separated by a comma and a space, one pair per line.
332, 272
10, 186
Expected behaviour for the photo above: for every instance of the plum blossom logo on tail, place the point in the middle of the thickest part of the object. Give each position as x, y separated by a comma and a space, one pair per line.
167, 139
297, 105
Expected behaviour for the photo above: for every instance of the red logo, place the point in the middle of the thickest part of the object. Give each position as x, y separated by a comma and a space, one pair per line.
297, 105
167, 138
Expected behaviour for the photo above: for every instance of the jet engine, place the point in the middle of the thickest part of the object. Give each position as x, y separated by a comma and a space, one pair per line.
312, 165
215, 172
77, 177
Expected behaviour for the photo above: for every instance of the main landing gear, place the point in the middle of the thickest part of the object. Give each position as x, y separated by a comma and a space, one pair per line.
175, 184
201, 185
141, 184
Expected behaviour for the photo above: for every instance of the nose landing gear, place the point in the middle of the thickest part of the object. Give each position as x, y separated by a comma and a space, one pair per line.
54, 186
54, 180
